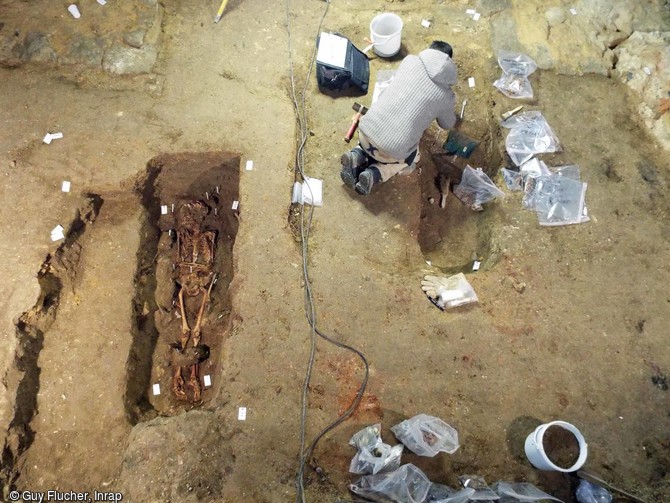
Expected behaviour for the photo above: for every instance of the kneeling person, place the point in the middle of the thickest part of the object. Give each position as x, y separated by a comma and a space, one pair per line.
389, 133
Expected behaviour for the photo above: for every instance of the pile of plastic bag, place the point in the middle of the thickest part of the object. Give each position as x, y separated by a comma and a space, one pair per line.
386, 480
408, 484
556, 194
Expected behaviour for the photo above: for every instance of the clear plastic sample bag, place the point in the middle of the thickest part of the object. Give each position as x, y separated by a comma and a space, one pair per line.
560, 201
444, 494
591, 493
521, 491
448, 292
529, 134
427, 435
373, 455
407, 484
513, 179
476, 188
514, 81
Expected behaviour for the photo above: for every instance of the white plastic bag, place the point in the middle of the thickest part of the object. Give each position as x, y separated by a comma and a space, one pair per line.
427, 435
591, 493
373, 455
513, 179
368, 438
476, 188
448, 292
557, 195
560, 200
482, 492
534, 167
308, 192
529, 134
382, 458
407, 484
522, 491
439, 493
384, 79
514, 81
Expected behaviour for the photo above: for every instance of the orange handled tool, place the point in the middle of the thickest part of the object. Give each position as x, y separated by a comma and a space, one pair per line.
360, 111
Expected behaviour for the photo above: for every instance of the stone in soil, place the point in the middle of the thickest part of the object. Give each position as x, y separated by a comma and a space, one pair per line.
121, 60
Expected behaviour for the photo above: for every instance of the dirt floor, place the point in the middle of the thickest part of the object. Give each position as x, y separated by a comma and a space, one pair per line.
569, 324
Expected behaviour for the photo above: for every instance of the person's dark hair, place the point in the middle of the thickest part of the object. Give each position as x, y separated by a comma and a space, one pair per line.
442, 46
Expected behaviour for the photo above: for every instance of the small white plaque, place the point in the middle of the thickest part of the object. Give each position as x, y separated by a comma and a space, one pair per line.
470, 11
65, 187
101, 2
156, 389
72, 9
476, 16
164, 209
471, 82
647, 70
476, 265
573, 12
242, 414
236, 204
57, 233
425, 23
51, 136
208, 380
250, 165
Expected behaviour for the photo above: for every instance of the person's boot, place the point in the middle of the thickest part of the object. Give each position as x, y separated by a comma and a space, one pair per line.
353, 162
368, 179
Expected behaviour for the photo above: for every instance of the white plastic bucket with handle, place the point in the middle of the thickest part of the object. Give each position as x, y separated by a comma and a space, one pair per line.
386, 34
534, 448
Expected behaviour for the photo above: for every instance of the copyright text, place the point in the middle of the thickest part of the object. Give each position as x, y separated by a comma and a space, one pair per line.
40, 496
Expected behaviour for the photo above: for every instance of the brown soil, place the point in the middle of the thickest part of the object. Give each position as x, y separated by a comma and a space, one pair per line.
560, 446
571, 322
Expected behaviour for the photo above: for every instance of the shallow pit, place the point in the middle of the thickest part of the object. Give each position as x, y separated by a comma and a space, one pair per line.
453, 237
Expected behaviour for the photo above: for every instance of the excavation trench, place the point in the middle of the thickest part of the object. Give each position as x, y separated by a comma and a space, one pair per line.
453, 237
57, 273
189, 226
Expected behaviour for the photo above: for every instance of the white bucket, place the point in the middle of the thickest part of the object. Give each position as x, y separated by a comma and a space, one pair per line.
539, 459
386, 34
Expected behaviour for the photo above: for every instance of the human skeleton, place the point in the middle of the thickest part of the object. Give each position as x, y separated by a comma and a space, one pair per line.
195, 276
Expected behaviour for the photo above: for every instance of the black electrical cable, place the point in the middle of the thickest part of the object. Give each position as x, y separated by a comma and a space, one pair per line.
305, 227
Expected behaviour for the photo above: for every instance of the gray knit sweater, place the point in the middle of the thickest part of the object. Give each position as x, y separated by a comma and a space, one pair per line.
419, 93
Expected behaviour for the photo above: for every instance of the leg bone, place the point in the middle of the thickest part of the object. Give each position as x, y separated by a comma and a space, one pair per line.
185, 329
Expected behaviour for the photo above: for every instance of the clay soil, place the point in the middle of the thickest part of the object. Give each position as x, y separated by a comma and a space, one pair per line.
571, 322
